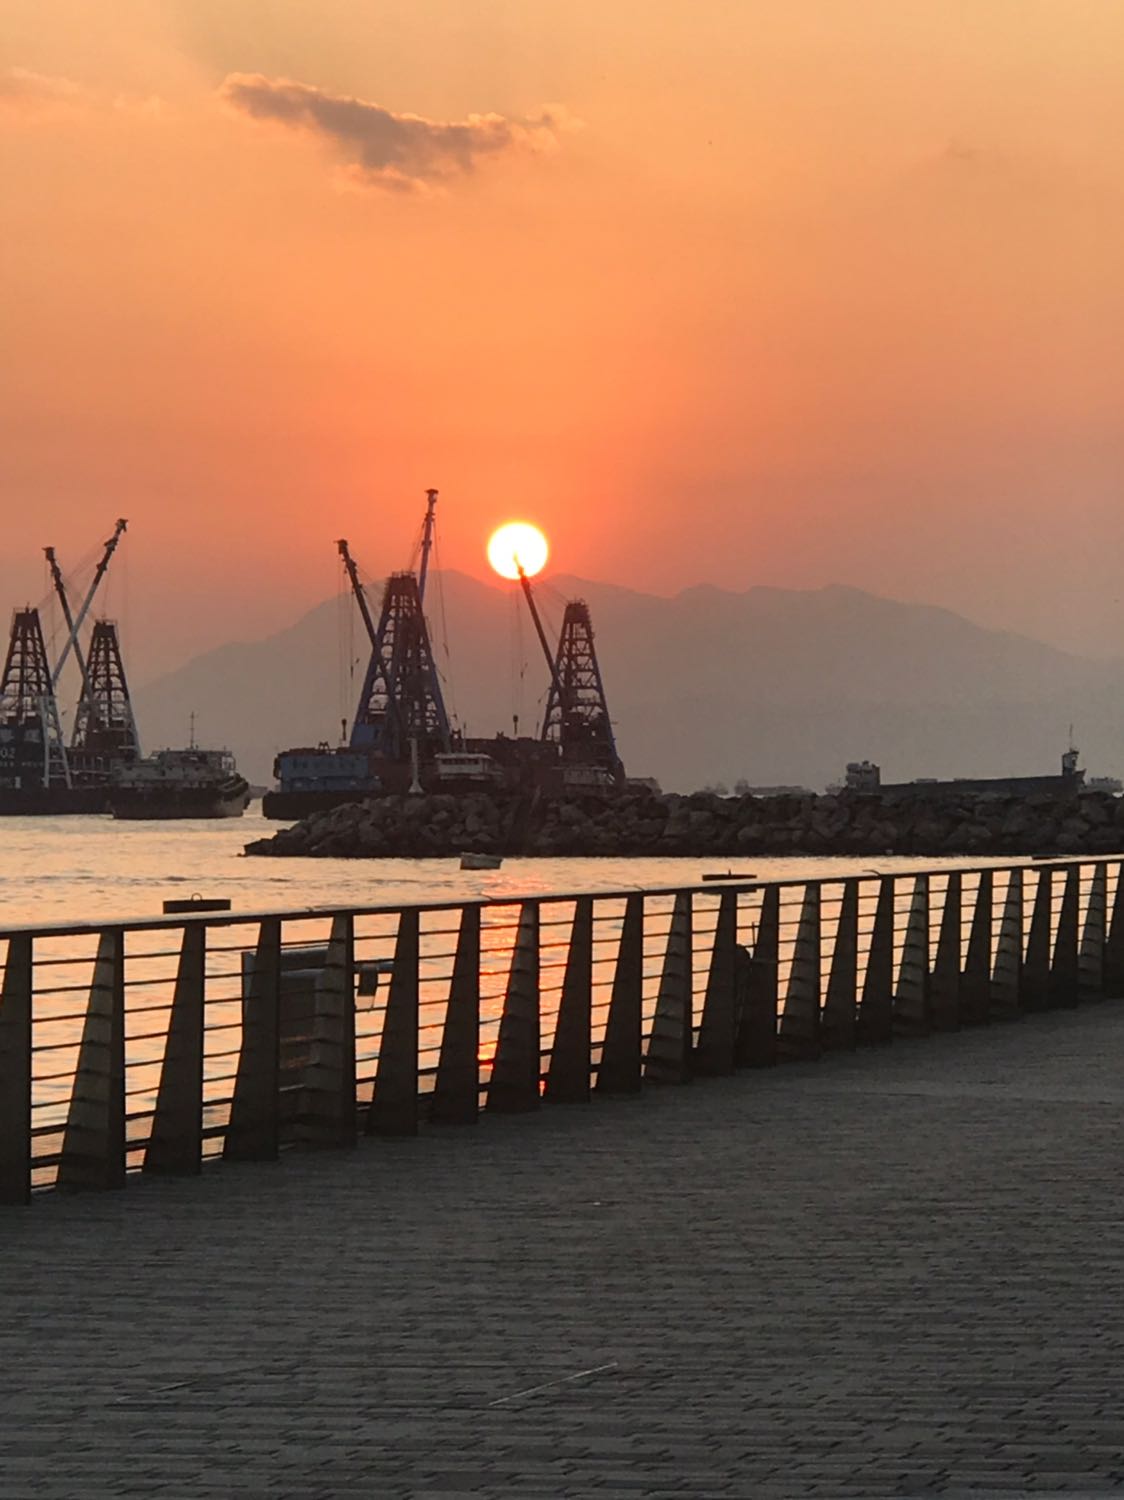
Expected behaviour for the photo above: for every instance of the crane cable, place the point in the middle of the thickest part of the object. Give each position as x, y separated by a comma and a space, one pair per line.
345, 651
437, 572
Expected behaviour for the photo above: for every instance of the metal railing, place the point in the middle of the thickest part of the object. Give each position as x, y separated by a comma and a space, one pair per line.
154, 1046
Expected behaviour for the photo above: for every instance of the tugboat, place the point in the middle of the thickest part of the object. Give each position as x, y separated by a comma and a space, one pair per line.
189, 783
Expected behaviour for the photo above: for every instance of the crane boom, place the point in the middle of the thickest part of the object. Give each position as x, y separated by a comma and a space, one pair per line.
552, 666
427, 541
99, 574
357, 590
60, 590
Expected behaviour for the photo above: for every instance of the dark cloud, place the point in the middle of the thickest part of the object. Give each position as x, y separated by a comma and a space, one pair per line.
398, 151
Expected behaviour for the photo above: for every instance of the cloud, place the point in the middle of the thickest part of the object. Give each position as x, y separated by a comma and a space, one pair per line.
399, 152
35, 96
25, 92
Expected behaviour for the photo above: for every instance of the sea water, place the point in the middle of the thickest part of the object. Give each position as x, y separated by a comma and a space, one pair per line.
94, 869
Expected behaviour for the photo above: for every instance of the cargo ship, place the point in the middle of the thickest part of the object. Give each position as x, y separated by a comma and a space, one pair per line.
866, 776
191, 783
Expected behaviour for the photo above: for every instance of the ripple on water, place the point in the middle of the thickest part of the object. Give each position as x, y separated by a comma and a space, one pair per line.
87, 869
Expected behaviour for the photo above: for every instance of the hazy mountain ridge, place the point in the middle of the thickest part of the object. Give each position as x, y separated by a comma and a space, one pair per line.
771, 684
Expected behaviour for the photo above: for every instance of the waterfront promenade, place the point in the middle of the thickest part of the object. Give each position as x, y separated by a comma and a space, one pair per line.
887, 1273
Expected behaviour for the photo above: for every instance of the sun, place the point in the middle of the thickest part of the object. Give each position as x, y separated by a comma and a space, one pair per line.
515, 545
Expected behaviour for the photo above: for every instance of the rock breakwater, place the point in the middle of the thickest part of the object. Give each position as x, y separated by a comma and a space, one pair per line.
643, 823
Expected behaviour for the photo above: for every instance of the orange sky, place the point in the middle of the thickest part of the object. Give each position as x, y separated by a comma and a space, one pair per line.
730, 290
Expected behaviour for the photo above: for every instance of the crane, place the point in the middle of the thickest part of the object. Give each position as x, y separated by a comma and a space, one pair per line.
60, 590
358, 590
577, 713
401, 698
427, 541
99, 574
104, 727
551, 664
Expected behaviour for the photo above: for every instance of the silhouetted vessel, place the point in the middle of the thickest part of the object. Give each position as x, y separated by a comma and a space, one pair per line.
401, 739
189, 783
866, 776
39, 772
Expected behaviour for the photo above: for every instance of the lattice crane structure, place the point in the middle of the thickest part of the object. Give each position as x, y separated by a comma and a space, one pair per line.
32, 749
105, 730
401, 709
401, 701
577, 712
34, 758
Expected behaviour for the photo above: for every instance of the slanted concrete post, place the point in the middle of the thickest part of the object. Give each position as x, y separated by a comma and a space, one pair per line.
799, 1035
15, 1072
875, 1025
837, 1026
945, 985
252, 1132
714, 1055
456, 1094
394, 1104
620, 1068
1006, 980
668, 1058
1036, 967
911, 1001
175, 1144
1090, 960
1063, 969
975, 986
327, 1101
567, 1079
1114, 947
757, 1029
517, 1070
93, 1147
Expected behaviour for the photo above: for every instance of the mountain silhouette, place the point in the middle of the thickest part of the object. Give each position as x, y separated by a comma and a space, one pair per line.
773, 685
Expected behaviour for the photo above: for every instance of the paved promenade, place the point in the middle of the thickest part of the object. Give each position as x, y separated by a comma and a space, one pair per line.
891, 1274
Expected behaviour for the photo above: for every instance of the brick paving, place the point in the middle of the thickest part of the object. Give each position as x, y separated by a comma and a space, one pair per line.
888, 1274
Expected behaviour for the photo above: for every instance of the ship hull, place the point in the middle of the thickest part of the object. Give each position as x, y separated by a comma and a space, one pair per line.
50, 802
162, 804
287, 807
